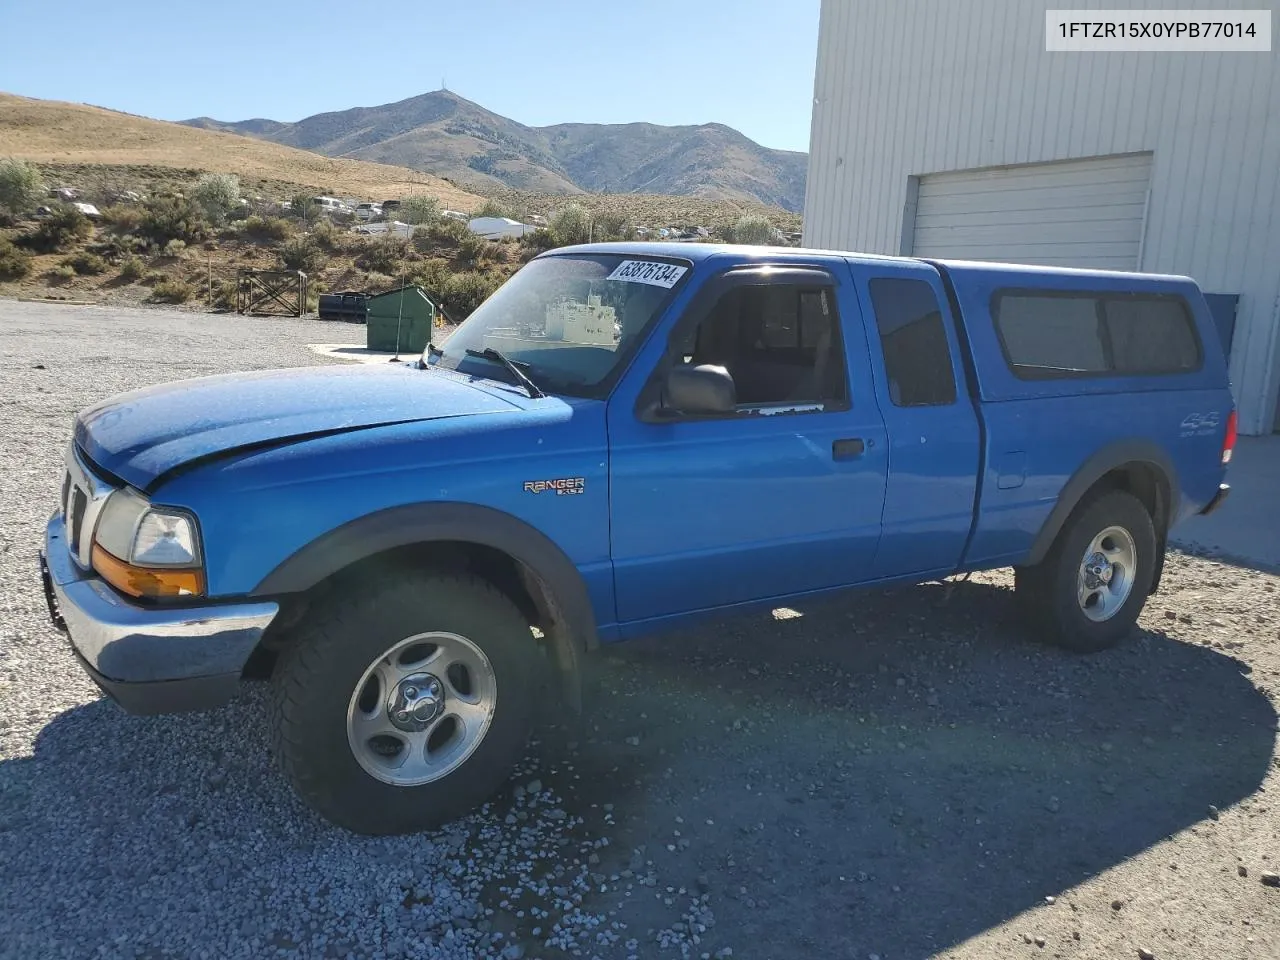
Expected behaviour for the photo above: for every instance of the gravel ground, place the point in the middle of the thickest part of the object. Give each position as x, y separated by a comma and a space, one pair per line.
899, 774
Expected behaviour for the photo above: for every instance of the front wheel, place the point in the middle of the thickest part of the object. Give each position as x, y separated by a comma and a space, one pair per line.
1087, 593
407, 705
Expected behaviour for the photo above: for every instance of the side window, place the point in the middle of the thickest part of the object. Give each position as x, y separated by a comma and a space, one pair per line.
913, 339
1150, 335
1048, 336
780, 342
1051, 335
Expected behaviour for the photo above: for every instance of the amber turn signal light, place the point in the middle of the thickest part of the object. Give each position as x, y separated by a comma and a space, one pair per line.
147, 581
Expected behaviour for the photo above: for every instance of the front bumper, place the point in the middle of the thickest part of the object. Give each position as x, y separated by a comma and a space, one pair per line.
148, 659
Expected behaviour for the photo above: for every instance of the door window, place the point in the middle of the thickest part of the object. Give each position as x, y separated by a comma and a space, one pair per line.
780, 342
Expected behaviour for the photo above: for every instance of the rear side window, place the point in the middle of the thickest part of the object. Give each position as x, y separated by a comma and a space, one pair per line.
913, 340
1152, 336
1048, 336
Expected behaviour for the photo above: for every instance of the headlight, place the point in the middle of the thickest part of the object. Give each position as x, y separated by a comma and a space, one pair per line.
147, 551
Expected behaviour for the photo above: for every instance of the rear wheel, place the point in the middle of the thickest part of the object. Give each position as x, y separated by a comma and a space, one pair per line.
406, 706
1088, 591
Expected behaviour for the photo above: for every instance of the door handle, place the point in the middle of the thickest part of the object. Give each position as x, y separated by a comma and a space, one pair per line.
848, 449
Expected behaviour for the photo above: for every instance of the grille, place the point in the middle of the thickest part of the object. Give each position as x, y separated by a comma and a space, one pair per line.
75, 518
83, 495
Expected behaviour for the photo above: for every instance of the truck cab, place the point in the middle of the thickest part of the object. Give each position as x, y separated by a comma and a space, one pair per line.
624, 437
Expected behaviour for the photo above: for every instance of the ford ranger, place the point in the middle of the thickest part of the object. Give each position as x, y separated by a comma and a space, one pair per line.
621, 438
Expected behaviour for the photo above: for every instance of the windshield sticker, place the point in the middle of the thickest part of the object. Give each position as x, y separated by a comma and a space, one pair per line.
647, 271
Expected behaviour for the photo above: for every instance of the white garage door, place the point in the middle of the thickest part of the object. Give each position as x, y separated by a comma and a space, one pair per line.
1074, 213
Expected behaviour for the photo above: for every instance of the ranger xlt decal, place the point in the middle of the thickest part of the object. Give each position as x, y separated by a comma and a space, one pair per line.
564, 486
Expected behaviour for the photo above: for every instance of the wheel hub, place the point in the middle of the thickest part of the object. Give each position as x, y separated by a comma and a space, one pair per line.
1098, 571
415, 701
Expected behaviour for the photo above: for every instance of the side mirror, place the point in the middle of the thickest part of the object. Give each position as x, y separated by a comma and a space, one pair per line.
701, 389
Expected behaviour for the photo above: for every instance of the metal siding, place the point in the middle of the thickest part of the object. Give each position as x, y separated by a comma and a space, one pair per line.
1076, 213
918, 87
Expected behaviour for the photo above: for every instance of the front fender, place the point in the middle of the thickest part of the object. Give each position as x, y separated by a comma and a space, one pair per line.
439, 522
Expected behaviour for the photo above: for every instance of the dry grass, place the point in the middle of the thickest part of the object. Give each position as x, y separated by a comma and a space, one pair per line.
52, 132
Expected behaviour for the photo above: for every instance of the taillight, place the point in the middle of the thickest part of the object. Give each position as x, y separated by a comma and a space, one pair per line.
1229, 439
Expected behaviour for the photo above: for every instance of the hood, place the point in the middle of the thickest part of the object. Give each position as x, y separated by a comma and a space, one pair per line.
141, 435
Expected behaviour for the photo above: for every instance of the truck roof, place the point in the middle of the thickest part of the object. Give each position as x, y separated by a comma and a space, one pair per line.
697, 252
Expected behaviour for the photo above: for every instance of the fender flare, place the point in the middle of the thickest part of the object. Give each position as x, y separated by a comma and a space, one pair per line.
547, 573
1116, 454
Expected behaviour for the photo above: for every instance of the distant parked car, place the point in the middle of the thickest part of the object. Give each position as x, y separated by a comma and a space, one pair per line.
368, 211
390, 205
330, 204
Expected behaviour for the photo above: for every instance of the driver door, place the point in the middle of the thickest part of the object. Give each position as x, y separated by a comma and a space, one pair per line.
780, 495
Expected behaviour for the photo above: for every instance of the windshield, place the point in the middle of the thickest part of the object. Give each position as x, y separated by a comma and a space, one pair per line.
568, 322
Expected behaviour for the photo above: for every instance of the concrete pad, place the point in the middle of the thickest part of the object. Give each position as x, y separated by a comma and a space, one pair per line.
357, 353
1246, 528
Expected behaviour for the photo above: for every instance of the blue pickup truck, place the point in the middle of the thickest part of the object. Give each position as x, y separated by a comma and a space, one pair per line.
623, 437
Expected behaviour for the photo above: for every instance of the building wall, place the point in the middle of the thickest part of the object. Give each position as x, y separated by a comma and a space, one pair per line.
923, 86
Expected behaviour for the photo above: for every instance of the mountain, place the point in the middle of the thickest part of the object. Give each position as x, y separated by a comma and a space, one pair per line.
448, 136
49, 131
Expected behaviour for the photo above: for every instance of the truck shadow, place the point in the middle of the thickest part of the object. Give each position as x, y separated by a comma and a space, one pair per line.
893, 772
896, 772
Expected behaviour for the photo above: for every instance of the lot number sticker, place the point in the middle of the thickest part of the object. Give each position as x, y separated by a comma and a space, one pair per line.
646, 271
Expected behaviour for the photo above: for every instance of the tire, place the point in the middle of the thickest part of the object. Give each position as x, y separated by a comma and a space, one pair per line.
1087, 611
323, 728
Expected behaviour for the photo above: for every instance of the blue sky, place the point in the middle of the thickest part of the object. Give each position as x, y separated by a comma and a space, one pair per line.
745, 63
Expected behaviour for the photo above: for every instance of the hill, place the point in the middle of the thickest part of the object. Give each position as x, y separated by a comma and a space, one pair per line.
452, 137
52, 132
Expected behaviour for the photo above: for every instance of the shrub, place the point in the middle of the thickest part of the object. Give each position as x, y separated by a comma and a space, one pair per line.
217, 195
61, 229
63, 274
122, 219
86, 264
384, 254
302, 253
753, 229
432, 275
172, 218
571, 225
492, 208
446, 231
224, 295
538, 241
326, 235
465, 291
418, 210
14, 263
20, 186
132, 269
471, 247
267, 228
175, 248
170, 290
303, 206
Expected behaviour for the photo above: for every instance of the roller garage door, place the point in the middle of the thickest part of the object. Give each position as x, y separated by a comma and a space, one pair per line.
1073, 213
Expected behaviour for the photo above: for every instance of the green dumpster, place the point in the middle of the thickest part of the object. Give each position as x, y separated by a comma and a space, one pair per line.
407, 309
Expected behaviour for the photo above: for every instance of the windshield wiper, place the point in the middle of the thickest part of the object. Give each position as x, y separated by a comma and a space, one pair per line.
488, 353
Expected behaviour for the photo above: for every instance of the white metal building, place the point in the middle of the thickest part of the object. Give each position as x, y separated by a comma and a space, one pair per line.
946, 129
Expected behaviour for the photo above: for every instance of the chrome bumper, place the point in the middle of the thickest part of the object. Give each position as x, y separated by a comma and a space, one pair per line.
148, 659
